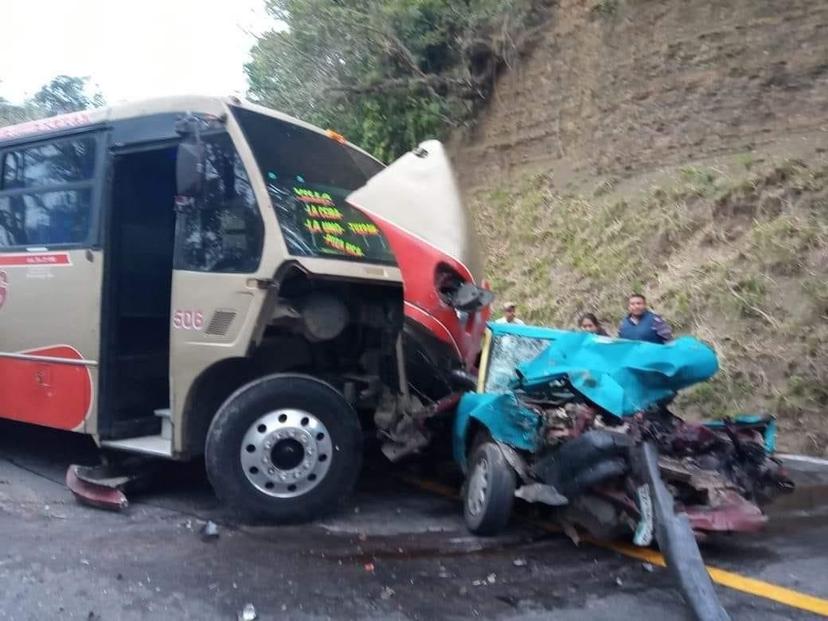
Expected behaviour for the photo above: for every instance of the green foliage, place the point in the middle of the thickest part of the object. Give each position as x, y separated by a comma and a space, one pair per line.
60, 95
11, 114
815, 289
605, 8
386, 73
780, 245
699, 181
746, 160
65, 94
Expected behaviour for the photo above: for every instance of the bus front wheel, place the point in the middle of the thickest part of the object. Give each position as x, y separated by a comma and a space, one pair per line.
286, 448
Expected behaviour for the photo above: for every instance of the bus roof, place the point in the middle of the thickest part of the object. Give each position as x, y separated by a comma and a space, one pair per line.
146, 107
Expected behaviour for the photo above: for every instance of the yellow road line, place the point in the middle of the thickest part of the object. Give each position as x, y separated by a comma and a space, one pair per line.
774, 592
737, 582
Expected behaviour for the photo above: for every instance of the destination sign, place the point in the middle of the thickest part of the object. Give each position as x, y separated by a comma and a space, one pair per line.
317, 221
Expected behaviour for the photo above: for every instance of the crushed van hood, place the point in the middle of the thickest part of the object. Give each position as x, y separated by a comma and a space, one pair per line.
622, 377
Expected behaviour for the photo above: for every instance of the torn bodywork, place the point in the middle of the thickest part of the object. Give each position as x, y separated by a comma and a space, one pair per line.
417, 204
573, 408
105, 486
92, 492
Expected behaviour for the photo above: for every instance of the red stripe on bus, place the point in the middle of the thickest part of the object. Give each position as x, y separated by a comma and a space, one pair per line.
27, 259
46, 393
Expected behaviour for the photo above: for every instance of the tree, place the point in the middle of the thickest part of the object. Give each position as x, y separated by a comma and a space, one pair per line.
386, 73
66, 94
60, 95
10, 114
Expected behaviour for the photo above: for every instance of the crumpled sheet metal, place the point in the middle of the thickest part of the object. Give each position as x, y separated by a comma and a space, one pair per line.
539, 492
502, 414
94, 494
623, 377
732, 514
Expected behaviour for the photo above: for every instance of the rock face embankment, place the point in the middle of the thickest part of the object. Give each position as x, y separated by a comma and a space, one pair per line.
617, 86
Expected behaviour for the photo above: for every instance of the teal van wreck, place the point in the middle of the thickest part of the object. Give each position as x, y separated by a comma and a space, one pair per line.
557, 415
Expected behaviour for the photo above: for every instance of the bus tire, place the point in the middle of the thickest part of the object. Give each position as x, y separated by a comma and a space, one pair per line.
489, 491
286, 448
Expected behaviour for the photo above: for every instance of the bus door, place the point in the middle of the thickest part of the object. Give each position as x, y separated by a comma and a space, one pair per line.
51, 270
219, 240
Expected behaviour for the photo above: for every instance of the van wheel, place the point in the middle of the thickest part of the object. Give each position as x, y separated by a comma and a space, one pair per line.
285, 447
489, 491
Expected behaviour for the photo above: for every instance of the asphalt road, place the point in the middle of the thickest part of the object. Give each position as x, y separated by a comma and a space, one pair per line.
395, 552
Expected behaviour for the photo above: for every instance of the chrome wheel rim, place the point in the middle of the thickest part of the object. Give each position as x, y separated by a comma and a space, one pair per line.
286, 453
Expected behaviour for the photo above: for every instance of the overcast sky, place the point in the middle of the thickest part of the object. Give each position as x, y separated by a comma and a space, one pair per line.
130, 49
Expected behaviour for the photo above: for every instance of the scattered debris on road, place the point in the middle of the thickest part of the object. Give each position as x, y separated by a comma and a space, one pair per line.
92, 493
105, 486
210, 531
490, 579
248, 613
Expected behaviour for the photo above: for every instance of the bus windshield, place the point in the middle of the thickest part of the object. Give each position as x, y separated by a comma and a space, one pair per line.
308, 177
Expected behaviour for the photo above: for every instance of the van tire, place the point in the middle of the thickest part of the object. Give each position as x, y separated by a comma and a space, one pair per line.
489, 491
229, 436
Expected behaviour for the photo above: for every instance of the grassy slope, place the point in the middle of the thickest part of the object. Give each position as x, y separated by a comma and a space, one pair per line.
735, 255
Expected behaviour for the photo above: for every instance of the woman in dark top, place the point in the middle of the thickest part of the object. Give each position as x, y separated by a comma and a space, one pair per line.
588, 322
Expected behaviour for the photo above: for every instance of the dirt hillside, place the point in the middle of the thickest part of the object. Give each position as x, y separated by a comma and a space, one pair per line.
679, 147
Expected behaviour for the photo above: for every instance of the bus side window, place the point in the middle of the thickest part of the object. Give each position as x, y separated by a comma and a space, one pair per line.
224, 231
46, 193
9, 227
11, 224
11, 169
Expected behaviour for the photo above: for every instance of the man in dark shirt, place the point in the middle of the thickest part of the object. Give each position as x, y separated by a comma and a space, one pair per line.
642, 324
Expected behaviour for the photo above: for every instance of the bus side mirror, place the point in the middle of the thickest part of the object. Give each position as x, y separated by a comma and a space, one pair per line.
189, 168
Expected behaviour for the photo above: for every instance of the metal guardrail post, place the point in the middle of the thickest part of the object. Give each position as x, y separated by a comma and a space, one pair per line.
679, 546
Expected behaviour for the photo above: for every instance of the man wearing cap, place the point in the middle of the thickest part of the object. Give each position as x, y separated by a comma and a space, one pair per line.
510, 314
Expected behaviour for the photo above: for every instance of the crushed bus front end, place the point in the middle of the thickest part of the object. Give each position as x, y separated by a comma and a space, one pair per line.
417, 205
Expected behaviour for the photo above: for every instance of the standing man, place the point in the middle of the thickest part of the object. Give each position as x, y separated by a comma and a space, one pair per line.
642, 324
510, 314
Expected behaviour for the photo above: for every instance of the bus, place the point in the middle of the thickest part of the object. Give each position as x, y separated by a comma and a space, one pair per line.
199, 276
